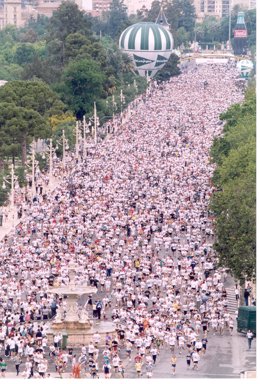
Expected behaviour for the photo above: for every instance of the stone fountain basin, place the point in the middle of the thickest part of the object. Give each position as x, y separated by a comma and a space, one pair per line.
73, 291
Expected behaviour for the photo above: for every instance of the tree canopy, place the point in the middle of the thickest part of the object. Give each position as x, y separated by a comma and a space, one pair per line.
25, 109
234, 201
83, 82
180, 15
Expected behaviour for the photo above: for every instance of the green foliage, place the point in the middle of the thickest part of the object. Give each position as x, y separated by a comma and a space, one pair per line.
35, 95
114, 21
170, 69
69, 130
24, 54
35, 30
209, 31
66, 20
180, 15
234, 204
82, 85
18, 127
25, 109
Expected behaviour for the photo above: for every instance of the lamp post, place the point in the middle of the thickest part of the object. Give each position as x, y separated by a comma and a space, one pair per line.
122, 101
114, 109
32, 163
84, 138
63, 149
95, 123
33, 168
12, 182
50, 150
51, 159
77, 139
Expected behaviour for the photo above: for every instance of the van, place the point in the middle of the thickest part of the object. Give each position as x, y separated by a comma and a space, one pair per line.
246, 319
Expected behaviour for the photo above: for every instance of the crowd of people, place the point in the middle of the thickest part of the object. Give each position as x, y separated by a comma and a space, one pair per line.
135, 219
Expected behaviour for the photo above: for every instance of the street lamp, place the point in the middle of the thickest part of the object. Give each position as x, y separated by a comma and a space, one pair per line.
34, 164
85, 131
107, 124
135, 86
50, 151
114, 106
5, 181
94, 122
78, 137
65, 147
12, 184
122, 101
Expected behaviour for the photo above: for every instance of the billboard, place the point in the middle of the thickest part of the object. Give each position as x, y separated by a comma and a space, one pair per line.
240, 33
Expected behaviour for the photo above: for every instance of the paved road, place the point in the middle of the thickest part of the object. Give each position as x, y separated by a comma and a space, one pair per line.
226, 357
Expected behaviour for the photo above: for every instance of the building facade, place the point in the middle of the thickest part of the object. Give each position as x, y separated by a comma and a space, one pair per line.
100, 6
219, 8
12, 13
134, 5
246, 4
208, 8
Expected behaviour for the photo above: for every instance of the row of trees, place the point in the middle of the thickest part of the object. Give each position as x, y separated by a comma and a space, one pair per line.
234, 201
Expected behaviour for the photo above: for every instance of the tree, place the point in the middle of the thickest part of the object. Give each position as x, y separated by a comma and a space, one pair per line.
24, 54
35, 27
250, 19
115, 20
181, 37
234, 201
180, 14
186, 15
82, 85
170, 69
35, 95
25, 109
66, 20
76, 44
153, 11
18, 127
41, 70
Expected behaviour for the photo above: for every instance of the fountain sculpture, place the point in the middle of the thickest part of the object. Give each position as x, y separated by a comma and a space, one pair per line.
76, 325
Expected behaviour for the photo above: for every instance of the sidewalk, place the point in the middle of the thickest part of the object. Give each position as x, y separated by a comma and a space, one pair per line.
12, 221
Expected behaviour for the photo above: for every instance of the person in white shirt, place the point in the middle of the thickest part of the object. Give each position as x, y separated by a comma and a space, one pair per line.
195, 359
154, 352
250, 337
96, 338
42, 368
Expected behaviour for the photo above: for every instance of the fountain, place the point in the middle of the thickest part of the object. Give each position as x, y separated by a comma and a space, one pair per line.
76, 326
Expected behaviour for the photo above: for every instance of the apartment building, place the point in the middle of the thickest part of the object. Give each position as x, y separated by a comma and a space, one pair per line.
219, 8
11, 13
134, 5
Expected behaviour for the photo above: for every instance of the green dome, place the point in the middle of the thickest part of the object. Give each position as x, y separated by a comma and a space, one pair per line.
146, 37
